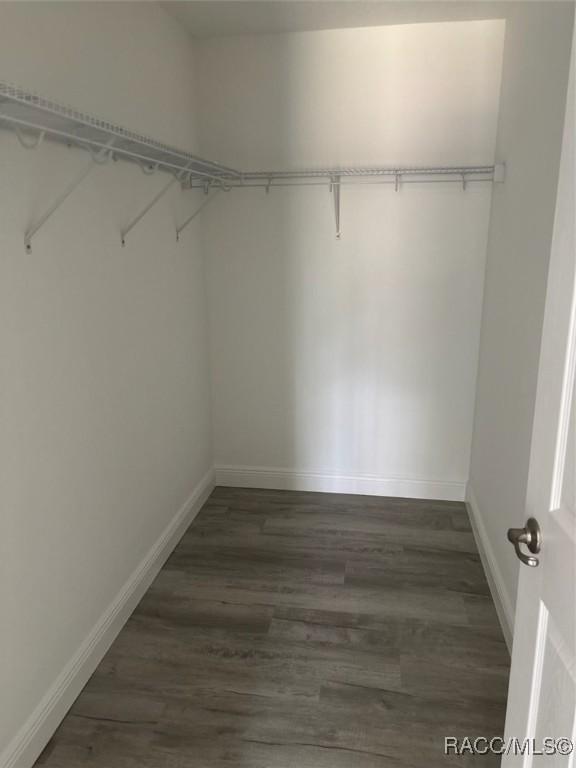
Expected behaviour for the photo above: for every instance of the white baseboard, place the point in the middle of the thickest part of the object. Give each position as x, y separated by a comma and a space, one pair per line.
367, 485
492, 570
29, 742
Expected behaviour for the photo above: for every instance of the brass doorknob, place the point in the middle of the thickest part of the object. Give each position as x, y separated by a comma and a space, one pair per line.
531, 536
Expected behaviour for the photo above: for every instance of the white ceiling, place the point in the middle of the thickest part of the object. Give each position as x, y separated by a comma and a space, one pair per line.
213, 18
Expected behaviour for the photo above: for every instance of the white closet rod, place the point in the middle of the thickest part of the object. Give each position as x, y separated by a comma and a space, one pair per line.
34, 118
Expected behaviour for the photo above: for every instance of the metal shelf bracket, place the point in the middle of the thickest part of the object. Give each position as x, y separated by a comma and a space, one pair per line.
177, 179
145, 210
198, 210
102, 157
335, 189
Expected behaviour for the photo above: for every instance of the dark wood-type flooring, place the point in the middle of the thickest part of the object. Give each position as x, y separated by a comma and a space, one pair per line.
301, 630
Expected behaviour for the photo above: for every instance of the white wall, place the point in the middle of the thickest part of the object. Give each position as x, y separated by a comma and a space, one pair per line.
534, 79
105, 425
351, 363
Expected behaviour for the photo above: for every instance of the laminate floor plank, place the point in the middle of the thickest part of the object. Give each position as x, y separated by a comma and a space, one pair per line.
301, 630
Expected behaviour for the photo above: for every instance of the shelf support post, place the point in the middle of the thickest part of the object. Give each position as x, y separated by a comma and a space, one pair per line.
105, 152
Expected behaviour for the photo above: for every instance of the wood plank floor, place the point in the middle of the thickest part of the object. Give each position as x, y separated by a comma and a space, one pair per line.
301, 630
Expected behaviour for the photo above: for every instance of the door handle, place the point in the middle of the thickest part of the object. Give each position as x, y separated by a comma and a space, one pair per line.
531, 536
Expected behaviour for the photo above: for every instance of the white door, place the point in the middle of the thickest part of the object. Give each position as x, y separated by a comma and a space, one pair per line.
542, 696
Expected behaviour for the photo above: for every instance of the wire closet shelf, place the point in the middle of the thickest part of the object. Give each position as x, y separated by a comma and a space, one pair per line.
34, 118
